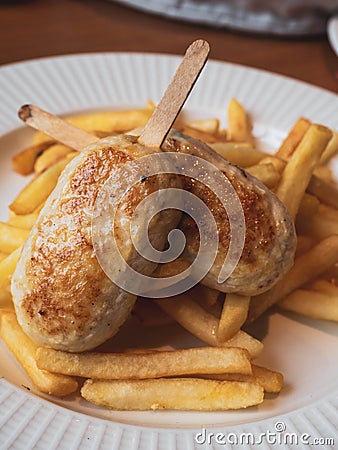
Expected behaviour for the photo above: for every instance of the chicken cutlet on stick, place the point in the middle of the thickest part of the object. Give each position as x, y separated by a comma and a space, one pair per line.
62, 297
270, 237
60, 312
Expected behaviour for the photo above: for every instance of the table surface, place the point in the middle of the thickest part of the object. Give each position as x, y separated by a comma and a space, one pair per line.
37, 28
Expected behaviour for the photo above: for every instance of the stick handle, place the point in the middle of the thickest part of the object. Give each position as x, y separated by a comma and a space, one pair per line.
176, 94
55, 127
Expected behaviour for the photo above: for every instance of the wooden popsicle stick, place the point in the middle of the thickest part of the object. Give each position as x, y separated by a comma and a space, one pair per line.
176, 94
55, 127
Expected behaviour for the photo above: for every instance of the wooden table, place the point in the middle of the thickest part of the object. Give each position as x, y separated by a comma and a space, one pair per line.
37, 28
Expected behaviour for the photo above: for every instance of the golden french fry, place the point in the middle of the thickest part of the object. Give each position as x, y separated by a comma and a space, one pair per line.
328, 212
270, 380
207, 298
50, 157
239, 123
317, 305
324, 173
305, 269
318, 226
200, 135
324, 287
177, 393
308, 207
279, 164
234, 314
122, 366
209, 126
324, 191
149, 314
293, 138
304, 244
26, 222
332, 274
210, 296
110, 121
11, 237
242, 154
7, 267
6, 302
203, 324
266, 173
246, 341
38, 190
300, 167
3, 256
331, 149
23, 162
24, 350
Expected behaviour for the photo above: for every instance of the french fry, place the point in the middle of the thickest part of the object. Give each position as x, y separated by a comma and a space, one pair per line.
3, 256
38, 190
324, 173
234, 314
324, 191
279, 164
50, 157
183, 394
328, 212
317, 305
293, 138
26, 222
299, 169
324, 287
201, 135
318, 226
24, 350
6, 302
11, 237
7, 267
308, 207
122, 366
305, 269
209, 126
207, 298
239, 123
240, 153
270, 380
149, 314
210, 296
304, 244
110, 121
23, 162
246, 341
204, 325
266, 173
331, 149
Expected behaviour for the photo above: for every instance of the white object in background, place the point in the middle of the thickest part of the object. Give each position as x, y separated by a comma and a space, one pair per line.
286, 17
332, 33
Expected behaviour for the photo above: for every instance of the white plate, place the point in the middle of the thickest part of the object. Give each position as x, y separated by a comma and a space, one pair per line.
305, 351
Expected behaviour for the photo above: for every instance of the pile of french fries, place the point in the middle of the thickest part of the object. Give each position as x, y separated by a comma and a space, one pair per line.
222, 375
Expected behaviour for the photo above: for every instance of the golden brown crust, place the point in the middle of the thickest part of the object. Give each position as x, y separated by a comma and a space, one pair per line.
269, 235
66, 281
62, 296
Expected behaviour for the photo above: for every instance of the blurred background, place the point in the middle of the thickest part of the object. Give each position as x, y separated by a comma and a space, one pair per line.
288, 37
